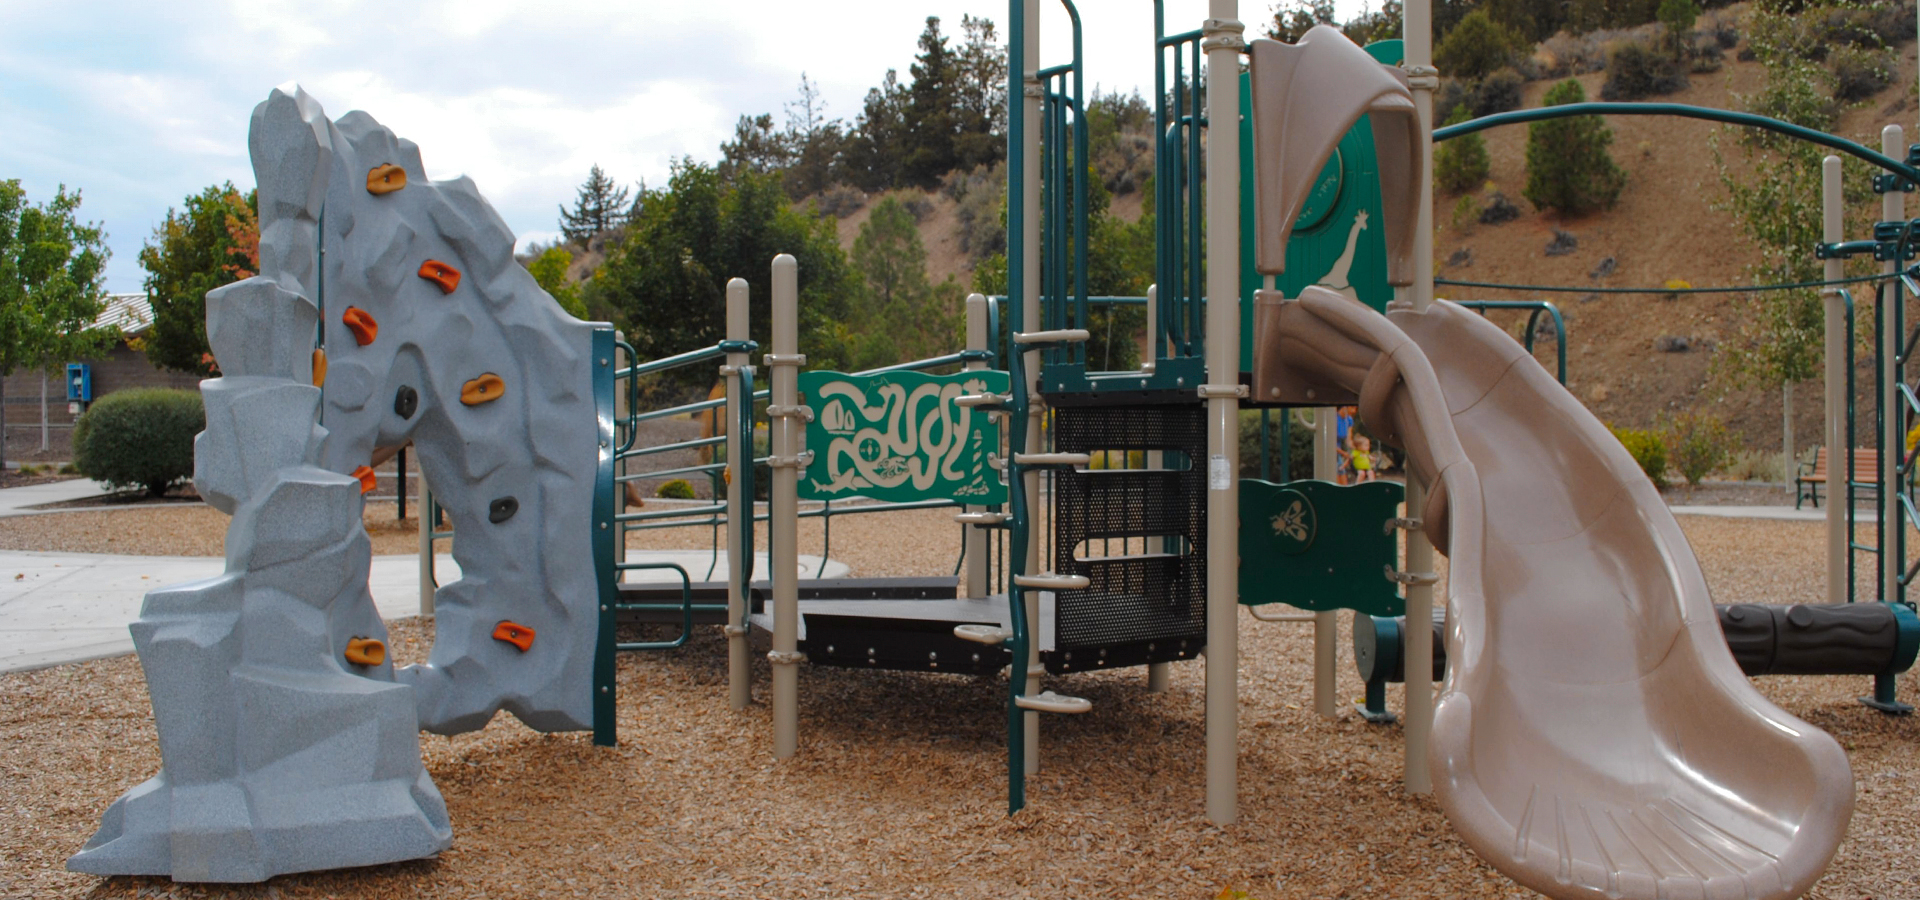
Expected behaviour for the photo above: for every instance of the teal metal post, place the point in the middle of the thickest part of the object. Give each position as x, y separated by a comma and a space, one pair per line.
608, 577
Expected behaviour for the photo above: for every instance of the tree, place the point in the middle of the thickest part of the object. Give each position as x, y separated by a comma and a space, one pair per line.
930, 109
1568, 166
1292, 23
51, 287
1678, 16
980, 96
600, 207
900, 315
1476, 46
814, 142
1461, 164
212, 240
755, 147
666, 282
1371, 26
873, 156
549, 269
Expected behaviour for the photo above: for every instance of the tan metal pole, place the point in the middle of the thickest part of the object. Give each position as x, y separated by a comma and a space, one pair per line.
1036, 411
1419, 712
739, 506
1222, 40
783, 366
1832, 231
1893, 206
1326, 625
975, 543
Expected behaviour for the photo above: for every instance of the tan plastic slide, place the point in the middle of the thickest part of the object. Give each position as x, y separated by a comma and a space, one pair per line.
1594, 737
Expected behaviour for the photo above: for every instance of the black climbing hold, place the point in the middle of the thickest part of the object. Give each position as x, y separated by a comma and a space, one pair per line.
405, 401
502, 509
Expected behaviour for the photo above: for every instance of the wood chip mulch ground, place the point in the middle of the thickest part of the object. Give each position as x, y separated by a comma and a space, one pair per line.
899, 788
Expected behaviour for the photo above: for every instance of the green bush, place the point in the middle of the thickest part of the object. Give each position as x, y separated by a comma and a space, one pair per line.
1637, 69
1698, 443
1568, 166
1294, 464
1859, 73
1648, 449
677, 489
1498, 92
1476, 46
139, 438
1461, 164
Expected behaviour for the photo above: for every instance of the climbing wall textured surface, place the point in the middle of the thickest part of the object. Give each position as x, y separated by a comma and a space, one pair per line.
288, 741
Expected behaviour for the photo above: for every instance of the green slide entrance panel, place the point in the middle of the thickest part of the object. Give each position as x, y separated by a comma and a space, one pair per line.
899, 436
1339, 240
1320, 546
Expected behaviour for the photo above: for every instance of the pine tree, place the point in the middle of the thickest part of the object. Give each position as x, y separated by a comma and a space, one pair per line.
879, 141
755, 147
1568, 166
1461, 164
601, 207
930, 120
980, 96
814, 142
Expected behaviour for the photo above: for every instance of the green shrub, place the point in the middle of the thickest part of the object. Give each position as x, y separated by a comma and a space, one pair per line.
1698, 443
1568, 166
1859, 73
1476, 46
139, 438
1637, 69
677, 489
1648, 449
1294, 464
69, 469
1461, 164
1498, 92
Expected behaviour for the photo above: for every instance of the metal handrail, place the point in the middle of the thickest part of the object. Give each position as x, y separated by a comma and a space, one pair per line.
686, 608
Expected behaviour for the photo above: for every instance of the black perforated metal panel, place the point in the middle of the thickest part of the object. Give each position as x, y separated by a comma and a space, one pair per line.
1141, 607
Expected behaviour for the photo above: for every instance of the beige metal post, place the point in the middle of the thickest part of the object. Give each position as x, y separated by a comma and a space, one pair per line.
1326, 625
1893, 206
1160, 674
783, 367
1832, 231
1419, 712
739, 507
1223, 43
979, 576
1037, 415
426, 546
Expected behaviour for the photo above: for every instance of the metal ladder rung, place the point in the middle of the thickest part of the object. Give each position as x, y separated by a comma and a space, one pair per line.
972, 401
1048, 581
1061, 336
982, 634
981, 519
1048, 701
1097, 560
1071, 460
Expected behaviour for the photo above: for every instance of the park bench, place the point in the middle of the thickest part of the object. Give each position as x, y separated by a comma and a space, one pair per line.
1866, 472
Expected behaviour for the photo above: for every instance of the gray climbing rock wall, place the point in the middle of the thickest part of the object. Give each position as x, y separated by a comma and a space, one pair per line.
288, 742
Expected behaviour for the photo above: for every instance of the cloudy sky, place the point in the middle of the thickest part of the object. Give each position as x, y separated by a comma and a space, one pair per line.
139, 104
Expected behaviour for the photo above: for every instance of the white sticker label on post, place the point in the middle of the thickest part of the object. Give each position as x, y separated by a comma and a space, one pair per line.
1219, 477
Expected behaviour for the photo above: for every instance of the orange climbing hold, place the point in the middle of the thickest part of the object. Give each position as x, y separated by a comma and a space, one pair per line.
514, 633
385, 179
361, 323
366, 476
446, 276
319, 367
366, 652
485, 389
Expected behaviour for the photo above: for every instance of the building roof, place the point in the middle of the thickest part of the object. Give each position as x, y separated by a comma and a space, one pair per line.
131, 312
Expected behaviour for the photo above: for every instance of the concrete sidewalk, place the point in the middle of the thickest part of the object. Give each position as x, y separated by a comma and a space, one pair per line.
1779, 513
60, 608
16, 501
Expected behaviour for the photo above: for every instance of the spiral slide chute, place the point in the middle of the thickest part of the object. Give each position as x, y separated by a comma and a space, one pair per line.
1594, 737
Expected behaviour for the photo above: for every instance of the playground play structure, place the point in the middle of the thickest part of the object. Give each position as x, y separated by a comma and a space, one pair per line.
1593, 735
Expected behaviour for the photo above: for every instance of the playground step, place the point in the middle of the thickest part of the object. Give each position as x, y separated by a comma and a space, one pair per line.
1042, 338
1052, 460
1048, 701
1047, 581
982, 634
1125, 558
981, 519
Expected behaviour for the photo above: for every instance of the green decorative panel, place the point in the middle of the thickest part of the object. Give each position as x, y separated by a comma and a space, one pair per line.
899, 436
1317, 545
1339, 241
